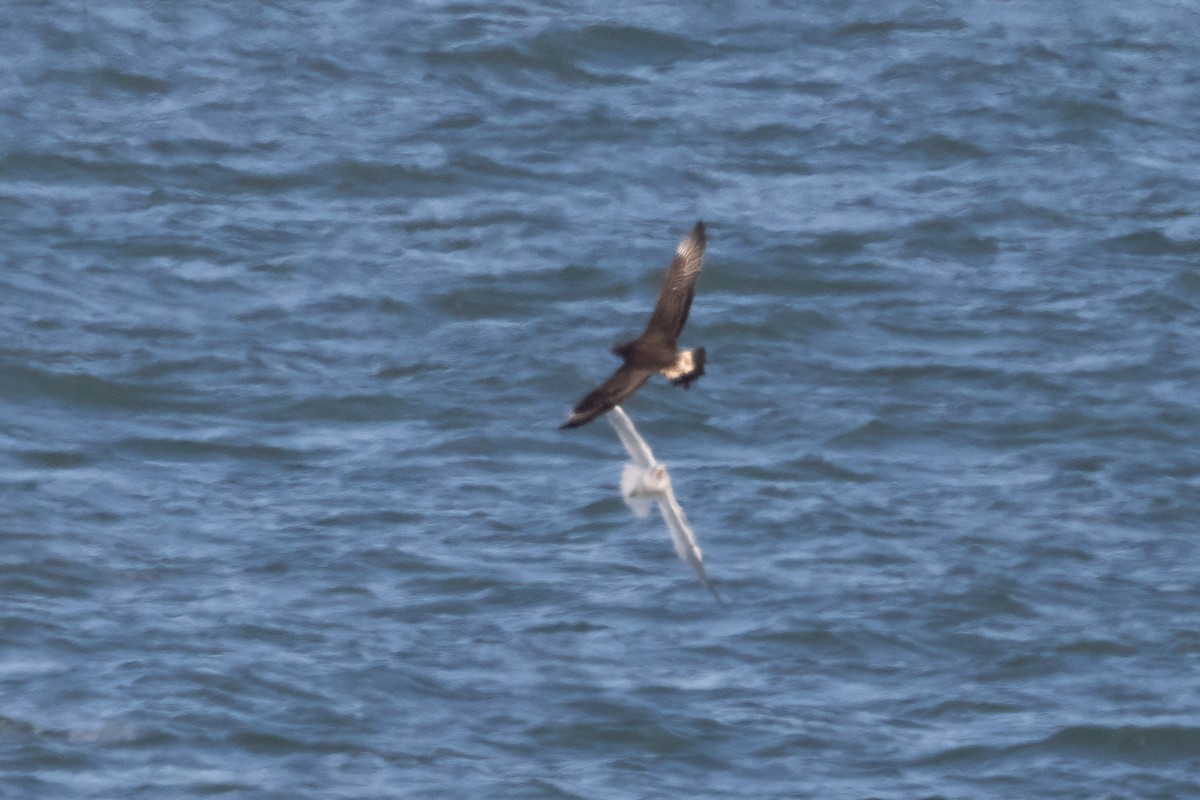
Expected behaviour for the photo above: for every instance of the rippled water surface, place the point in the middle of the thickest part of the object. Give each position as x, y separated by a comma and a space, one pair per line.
294, 296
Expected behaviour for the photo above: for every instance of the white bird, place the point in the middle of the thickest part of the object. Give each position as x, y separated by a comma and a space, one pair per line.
644, 481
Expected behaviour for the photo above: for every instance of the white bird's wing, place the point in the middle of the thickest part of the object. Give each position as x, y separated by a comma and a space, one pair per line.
638, 450
683, 536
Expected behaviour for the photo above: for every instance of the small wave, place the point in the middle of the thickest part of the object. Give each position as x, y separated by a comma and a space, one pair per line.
131, 82
1128, 743
593, 54
346, 408
887, 27
55, 459
1152, 242
1125, 742
198, 450
44, 386
944, 149
613, 46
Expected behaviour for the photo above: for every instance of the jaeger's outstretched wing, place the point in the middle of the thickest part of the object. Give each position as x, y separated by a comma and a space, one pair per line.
678, 288
622, 383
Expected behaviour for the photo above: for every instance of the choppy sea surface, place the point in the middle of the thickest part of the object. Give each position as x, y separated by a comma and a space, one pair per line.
294, 296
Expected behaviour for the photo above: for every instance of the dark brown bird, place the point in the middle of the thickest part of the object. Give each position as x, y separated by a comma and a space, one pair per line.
656, 349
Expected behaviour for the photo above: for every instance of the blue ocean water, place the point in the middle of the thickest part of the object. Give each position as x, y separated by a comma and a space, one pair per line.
294, 296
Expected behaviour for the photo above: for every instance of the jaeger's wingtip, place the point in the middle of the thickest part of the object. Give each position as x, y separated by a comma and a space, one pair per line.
576, 419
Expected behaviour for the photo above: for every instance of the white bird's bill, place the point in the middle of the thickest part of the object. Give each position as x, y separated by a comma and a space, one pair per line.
643, 481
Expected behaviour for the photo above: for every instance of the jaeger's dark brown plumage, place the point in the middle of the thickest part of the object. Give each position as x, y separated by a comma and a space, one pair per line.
656, 350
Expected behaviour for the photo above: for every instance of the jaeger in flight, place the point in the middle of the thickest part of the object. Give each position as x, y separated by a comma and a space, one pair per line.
656, 350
